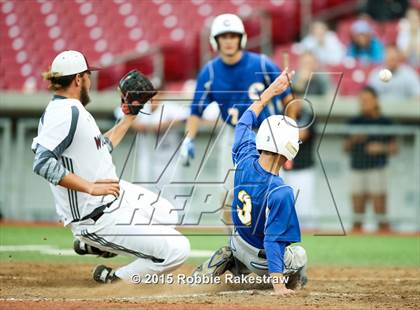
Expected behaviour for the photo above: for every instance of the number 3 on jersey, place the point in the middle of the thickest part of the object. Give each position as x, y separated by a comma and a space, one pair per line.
244, 213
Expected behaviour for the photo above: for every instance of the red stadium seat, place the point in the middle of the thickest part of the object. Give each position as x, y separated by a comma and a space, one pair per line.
284, 32
293, 56
354, 78
390, 32
98, 28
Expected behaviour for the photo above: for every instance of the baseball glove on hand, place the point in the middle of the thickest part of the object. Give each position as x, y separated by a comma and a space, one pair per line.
136, 90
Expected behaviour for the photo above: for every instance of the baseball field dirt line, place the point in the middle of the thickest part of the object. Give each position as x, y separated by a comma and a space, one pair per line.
69, 286
64, 305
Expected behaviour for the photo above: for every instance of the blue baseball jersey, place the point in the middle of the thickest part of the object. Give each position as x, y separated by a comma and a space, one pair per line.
263, 209
235, 87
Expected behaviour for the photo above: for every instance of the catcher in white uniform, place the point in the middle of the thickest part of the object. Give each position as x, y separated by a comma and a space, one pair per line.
107, 216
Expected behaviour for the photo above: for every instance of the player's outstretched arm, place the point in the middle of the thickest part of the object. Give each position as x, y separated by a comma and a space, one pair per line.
280, 204
275, 253
117, 133
187, 148
279, 85
191, 128
202, 98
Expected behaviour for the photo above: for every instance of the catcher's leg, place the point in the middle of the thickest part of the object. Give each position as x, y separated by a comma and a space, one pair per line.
155, 249
126, 231
83, 248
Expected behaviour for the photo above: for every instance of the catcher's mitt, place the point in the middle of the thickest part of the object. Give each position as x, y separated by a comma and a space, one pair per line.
136, 90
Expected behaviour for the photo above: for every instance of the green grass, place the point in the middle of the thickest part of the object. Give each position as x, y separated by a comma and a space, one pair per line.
360, 250
363, 250
19, 235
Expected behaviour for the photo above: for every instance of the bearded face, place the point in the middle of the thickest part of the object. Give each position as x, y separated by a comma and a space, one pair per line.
84, 94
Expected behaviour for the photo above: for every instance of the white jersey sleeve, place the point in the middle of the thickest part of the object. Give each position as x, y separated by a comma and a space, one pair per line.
57, 128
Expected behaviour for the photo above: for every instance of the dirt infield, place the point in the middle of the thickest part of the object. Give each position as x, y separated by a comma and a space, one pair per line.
69, 286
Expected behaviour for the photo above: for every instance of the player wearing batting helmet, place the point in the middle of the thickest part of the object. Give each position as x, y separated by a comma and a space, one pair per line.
263, 209
233, 80
102, 211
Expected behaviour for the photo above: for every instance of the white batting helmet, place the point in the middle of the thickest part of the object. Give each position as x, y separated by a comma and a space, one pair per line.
227, 23
279, 134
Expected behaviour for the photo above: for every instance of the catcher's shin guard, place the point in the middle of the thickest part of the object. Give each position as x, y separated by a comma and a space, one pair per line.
217, 264
82, 248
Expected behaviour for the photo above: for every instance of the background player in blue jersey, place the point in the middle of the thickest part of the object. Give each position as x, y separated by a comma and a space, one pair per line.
233, 80
263, 209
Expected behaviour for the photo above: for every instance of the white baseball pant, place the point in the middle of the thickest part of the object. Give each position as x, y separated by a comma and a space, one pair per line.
139, 224
294, 257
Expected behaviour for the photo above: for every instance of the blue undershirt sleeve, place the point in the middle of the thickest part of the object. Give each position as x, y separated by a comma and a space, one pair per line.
275, 255
202, 95
244, 141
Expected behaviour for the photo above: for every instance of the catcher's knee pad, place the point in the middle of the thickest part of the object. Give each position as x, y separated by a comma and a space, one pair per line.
295, 259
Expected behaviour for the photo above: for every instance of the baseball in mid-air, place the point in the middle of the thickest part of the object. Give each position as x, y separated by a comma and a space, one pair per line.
385, 75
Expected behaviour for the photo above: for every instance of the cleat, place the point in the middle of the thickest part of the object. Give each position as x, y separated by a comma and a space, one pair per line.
216, 265
82, 248
104, 274
293, 281
297, 280
303, 278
